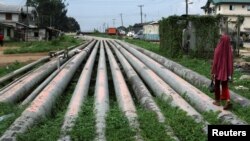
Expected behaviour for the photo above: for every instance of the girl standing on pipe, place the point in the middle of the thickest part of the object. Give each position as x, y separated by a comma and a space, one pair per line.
222, 70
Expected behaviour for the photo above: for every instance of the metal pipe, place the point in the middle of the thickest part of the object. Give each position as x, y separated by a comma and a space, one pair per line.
20, 90
101, 97
28, 67
33, 95
123, 95
161, 89
78, 97
189, 75
141, 91
42, 105
201, 101
22, 70
5, 88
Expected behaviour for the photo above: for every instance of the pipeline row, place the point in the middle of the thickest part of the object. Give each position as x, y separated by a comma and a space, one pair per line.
147, 78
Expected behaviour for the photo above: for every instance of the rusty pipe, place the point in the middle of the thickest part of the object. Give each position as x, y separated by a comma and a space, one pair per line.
189, 75
123, 95
201, 101
141, 91
42, 105
17, 92
23, 69
101, 104
78, 97
161, 89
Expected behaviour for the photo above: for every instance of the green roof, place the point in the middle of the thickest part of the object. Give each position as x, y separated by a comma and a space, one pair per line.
229, 1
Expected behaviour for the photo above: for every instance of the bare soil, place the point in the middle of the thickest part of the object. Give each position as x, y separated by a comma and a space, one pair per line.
6, 59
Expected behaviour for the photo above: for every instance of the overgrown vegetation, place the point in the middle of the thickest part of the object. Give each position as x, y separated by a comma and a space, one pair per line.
44, 46
152, 129
205, 35
117, 125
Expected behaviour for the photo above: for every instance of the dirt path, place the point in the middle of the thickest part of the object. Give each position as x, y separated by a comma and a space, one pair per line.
10, 58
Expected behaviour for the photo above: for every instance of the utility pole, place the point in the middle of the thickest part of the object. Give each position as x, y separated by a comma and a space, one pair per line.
141, 11
121, 19
186, 7
27, 28
113, 22
145, 18
104, 24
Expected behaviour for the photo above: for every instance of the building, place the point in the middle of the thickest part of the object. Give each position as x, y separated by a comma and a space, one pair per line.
20, 23
230, 9
151, 31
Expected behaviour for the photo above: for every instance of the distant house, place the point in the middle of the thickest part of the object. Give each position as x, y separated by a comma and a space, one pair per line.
20, 23
230, 9
151, 31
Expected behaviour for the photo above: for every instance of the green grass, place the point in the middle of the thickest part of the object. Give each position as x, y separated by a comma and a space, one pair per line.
247, 59
6, 109
184, 127
10, 68
117, 125
152, 130
85, 124
43, 46
49, 128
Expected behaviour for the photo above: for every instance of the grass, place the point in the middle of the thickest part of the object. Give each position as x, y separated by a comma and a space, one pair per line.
247, 59
85, 129
6, 109
43, 46
184, 126
152, 130
117, 125
10, 68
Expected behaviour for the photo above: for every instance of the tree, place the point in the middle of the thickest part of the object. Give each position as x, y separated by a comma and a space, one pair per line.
53, 13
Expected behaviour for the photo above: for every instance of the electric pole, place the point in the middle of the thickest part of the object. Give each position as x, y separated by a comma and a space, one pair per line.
186, 7
113, 22
121, 19
145, 18
141, 11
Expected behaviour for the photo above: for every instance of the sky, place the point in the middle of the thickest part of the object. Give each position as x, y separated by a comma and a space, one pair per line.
96, 14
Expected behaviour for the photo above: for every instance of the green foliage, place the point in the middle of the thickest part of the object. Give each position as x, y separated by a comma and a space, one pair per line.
117, 125
170, 31
54, 13
85, 124
206, 34
152, 129
184, 127
10, 68
44, 46
6, 109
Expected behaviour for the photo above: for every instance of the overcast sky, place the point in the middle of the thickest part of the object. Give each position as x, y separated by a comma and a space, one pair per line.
92, 14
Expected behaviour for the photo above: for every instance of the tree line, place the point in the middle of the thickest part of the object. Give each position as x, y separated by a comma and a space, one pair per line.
53, 13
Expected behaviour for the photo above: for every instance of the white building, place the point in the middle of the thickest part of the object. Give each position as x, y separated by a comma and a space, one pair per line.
18, 22
151, 31
230, 9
